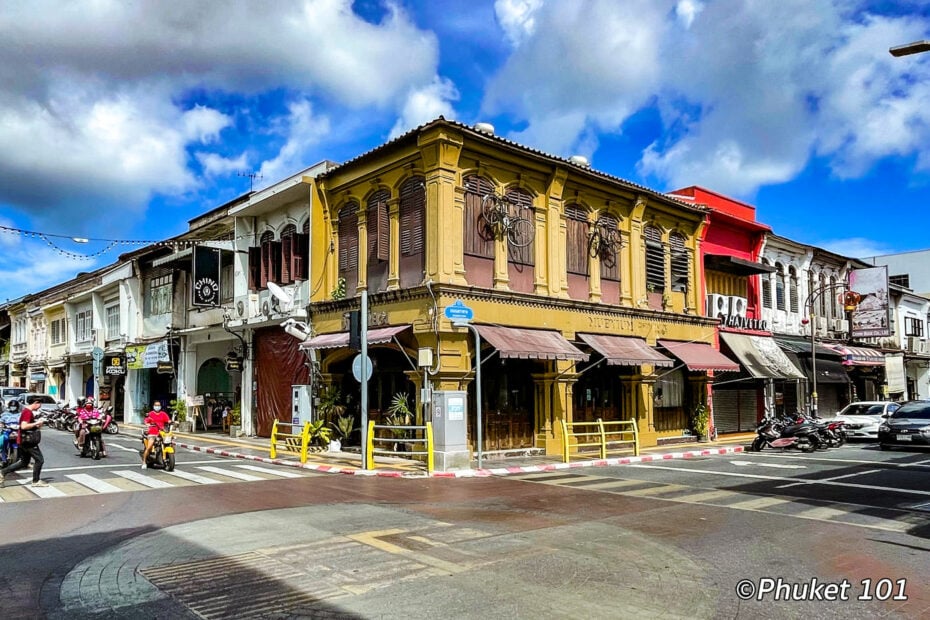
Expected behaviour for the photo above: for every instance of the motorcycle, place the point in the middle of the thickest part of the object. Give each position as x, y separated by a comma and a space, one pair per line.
775, 433
89, 438
9, 442
162, 454
110, 426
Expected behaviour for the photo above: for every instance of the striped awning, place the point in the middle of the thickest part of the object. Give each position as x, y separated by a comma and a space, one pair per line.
339, 340
859, 356
625, 351
530, 344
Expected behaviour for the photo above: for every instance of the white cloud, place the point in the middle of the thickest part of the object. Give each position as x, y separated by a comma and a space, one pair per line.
425, 104
856, 247
687, 10
303, 130
517, 18
34, 266
216, 165
203, 124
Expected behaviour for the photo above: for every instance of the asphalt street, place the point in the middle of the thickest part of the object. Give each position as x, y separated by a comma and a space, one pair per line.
708, 537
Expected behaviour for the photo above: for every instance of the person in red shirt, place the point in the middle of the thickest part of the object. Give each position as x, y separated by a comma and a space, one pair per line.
156, 419
29, 450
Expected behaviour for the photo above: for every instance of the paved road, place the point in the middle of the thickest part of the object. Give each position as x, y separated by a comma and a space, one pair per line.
549, 545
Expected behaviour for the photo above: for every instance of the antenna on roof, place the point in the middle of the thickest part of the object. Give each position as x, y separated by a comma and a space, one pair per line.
252, 176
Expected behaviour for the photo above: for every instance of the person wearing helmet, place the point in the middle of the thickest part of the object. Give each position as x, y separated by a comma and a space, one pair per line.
87, 412
8, 418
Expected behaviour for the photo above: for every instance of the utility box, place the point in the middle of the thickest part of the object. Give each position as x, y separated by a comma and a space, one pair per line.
301, 406
450, 430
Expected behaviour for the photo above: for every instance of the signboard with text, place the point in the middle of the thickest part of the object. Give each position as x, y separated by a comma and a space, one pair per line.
870, 318
205, 290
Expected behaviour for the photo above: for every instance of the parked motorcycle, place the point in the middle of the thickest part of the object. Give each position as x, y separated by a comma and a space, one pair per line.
9, 442
162, 454
775, 433
110, 425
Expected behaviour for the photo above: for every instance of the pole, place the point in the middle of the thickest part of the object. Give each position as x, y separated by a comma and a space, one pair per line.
363, 377
478, 430
810, 313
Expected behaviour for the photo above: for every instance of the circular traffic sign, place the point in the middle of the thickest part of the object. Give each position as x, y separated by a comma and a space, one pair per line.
357, 368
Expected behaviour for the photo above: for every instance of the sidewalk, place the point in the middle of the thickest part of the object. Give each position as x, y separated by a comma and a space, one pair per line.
258, 449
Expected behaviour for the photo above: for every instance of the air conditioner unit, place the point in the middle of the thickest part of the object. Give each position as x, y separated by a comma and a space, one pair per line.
822, 324
738, 306
915, 344
254, 307
844, 325
836, 325
717, 305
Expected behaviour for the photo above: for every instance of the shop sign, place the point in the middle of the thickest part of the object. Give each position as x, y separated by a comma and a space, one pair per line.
206, 287
164, 368
147, 356
233, 362
115, 365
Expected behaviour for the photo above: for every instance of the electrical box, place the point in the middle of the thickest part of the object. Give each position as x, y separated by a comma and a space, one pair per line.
450, 430
302, 409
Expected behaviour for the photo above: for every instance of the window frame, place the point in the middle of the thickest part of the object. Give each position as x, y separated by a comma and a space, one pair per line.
161, 293
107, 316
84, 325
576, 240
654, 253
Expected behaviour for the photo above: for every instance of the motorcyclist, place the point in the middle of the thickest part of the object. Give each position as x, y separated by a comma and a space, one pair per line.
156, 420
86, 412
8, 417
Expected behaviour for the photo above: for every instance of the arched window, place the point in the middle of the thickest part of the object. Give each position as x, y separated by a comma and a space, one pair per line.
680, 262
823, 295
348, 247
793, 289
834, 302
608, 226
521, 205
779, 286
576, 239
766, 280
478, 241
270, 259
655, 260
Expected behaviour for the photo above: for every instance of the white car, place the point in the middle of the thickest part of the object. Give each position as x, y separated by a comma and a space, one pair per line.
864, 417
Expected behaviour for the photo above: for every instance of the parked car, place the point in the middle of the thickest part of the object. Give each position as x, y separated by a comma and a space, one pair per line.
863, 418
48, 403
8, 393
908, 426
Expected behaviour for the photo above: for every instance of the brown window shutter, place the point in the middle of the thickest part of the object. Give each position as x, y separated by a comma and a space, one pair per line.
655, 259
379, 233
300, 249
275, 275
521, 205
576, 240
412, 217
348, 243
287, 250
610, 257
255, 267
477, 243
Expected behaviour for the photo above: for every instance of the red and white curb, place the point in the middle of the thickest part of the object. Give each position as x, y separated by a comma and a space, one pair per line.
470, 473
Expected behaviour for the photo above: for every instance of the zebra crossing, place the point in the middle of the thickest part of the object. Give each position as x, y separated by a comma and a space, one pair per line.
126, 479
857, 515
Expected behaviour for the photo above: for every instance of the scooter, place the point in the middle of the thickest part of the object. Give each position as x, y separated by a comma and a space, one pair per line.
162, 454
110, 425
9, 443
89, 438
774, 433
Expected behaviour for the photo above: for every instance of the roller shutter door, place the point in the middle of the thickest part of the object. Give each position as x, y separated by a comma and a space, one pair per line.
735, 411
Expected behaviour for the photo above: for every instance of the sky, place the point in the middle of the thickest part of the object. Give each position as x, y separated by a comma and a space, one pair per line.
122, 120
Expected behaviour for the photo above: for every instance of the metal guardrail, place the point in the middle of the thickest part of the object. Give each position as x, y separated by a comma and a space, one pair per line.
290, 442
606, 436
403, 435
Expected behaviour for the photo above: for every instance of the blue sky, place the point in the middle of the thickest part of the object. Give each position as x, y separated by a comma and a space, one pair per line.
124, 120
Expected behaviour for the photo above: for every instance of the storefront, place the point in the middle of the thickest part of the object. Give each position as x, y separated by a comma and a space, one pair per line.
150, 376
866, 370
832, 378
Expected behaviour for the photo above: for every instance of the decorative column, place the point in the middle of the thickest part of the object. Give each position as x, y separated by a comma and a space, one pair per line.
440, 150
594, 268
393, 282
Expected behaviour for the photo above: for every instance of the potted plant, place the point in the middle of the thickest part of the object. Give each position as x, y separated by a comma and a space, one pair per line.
179, 406
700, 419
399, 414
320, 433
235, 420
343, 427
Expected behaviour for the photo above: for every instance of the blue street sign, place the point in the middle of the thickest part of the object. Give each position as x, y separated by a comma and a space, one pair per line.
459, 312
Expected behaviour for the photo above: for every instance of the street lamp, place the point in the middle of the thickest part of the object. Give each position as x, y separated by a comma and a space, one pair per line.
850, 301
910, 48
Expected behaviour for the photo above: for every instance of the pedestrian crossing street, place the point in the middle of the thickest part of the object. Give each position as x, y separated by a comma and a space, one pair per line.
120, 480
858, 515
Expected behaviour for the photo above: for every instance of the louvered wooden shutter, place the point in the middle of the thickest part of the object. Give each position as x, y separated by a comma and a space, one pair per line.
287, 251
610, 259
476, 188
301, 248
680, 262
576, 240
379, 228
655, 260
348, 243
521, 205
255, 267
412, 217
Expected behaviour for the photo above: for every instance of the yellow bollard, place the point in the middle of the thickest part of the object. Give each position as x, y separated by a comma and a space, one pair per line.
564, 426
600, 427
429, 447
274, 439
369, 446
635, 438
304, 442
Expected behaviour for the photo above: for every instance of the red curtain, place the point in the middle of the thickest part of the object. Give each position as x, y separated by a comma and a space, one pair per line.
279, 364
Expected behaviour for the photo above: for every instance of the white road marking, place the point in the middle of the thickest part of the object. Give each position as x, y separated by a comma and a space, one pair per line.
43, 492
745, 463
112, 444
273, 472
118, 465
239, 475
838, 461
186, 475
144, 480
94, 484
861, 473
761, 477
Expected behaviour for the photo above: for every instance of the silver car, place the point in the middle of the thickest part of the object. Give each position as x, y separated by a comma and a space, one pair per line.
863, 418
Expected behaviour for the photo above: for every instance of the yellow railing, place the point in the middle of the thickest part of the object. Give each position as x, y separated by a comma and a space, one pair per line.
606, 436
402, 435
290, 442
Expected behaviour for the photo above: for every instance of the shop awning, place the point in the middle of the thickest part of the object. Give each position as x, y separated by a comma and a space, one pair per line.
828, 370
339, 340
174, 257
699, 356
735, 266
761, 357
859, 356
530, 344
625, 351
803, 346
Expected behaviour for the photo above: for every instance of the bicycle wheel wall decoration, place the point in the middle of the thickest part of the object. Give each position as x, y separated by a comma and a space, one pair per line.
498, 220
